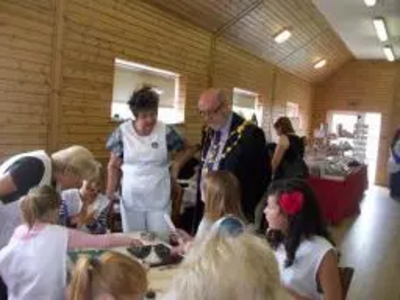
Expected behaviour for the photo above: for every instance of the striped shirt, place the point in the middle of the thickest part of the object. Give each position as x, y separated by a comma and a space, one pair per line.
72, 204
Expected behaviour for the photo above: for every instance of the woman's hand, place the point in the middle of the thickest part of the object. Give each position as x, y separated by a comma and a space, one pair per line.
113, 176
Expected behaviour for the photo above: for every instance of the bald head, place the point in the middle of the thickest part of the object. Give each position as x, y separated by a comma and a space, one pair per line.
214, 107
212, 98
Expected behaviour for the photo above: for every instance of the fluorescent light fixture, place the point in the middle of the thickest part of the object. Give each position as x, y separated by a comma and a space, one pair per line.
320, 64
389, 53
370, 3
282, 36
380, 28
130, 65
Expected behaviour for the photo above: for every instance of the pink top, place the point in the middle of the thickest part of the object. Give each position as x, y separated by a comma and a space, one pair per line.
78, 239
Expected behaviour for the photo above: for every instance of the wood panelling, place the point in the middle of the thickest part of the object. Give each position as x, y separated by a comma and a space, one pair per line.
290, 88
237, 68
65, 54
364, 86
26, 37
312, 39
97, 32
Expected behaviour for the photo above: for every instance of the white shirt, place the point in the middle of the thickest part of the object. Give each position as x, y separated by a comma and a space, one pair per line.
10, 213
301, 277
34, 267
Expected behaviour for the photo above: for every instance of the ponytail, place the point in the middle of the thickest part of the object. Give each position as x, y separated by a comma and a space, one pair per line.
28, 210
40, 205
112, 273
81, 280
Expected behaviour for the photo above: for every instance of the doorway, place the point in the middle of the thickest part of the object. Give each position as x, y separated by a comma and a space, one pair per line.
373, 121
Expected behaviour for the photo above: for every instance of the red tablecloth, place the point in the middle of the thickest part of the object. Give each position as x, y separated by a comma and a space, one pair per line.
340, 199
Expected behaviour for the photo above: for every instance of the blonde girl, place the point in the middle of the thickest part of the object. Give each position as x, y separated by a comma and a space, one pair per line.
227, 267
222, 197
112, 276
33, 265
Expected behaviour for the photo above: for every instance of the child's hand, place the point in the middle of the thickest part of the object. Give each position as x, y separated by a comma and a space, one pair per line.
186, 237
88, 218
180, 236
75, 220
178, 250
182, 248
136, 243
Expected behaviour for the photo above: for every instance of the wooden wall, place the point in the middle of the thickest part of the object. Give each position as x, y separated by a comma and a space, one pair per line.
97, 31
237, 68
57, 60
365, 86
289, 88
26, 50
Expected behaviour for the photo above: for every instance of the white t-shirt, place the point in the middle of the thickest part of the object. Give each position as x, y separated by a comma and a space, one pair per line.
35, 267
10, 216
301, 277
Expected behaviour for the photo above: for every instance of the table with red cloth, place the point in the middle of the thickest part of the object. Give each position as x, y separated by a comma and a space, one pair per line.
340, 199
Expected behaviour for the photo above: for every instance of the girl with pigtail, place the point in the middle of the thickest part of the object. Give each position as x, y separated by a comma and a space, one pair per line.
34, 263
112, 276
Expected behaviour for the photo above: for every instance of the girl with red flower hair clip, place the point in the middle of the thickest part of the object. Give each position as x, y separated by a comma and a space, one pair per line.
305, 253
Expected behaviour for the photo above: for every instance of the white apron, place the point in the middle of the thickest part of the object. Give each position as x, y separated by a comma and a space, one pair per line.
146, 184
35, 267
10, 213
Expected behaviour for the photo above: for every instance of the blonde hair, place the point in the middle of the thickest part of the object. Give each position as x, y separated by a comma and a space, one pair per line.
222, 195
40, 204
228, 268
75, 160
113, 273
98, 176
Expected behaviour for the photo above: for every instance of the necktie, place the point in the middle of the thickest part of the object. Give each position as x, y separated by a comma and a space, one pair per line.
213, 150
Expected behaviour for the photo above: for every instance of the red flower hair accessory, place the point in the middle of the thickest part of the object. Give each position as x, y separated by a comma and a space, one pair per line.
291, 203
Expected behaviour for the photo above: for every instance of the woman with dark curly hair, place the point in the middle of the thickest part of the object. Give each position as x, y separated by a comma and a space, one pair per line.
139, 161
303, 248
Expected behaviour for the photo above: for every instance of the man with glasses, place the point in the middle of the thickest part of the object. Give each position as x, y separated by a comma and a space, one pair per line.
231, 143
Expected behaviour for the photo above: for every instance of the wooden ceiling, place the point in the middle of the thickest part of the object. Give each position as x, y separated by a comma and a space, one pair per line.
251, 25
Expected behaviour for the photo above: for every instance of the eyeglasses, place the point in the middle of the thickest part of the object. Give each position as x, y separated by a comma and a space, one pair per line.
205, 114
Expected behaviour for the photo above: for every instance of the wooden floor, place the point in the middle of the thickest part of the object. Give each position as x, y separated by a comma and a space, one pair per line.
370, 243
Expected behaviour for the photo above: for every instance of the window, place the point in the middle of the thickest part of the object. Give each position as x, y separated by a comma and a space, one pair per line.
128, 76
293, 113
245, 104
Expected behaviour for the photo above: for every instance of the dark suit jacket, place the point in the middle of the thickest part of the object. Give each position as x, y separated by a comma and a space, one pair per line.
249, 161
